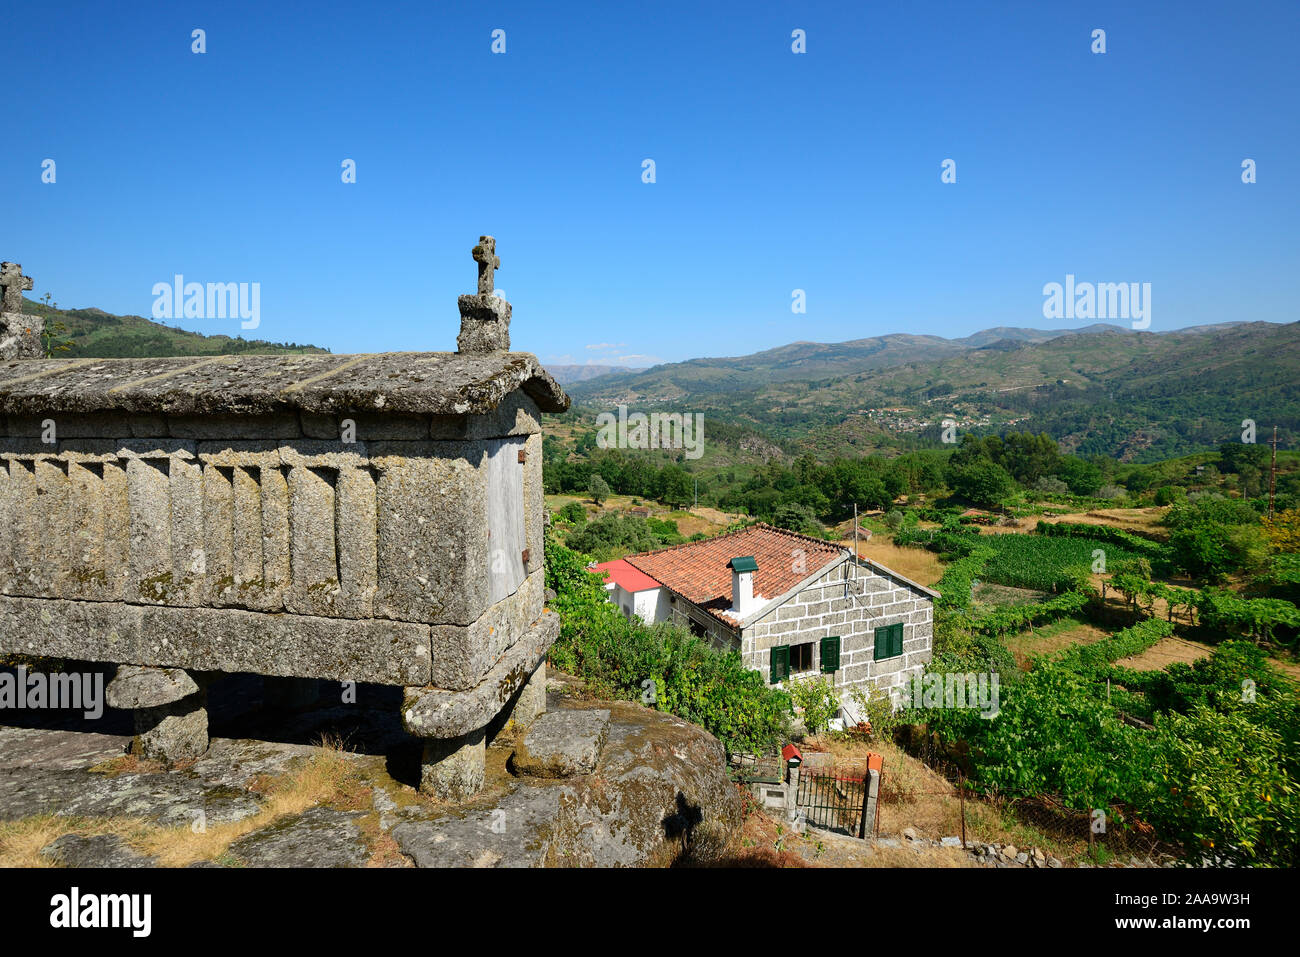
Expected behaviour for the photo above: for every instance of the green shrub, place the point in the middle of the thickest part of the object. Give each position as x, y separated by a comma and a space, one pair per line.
661, 665
1052, 735
573, 513
982, 482
1122, 644
610, 534
1219, 786
1170, 494
816, 698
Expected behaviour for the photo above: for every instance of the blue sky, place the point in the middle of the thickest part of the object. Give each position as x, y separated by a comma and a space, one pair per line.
775, 171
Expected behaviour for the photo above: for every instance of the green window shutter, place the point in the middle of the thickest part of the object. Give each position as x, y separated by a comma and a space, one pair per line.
889, 641
779, 663
830, 654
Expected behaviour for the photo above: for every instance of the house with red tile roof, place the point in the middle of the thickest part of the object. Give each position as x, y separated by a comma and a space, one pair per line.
792, 605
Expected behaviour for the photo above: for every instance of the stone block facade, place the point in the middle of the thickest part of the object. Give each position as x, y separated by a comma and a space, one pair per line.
261, 550
849, 600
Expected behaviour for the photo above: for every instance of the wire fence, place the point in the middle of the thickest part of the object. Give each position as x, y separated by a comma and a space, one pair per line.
977, 814
945, 805
750, 768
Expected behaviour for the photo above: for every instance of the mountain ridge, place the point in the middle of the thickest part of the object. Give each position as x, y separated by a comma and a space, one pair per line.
1108, 390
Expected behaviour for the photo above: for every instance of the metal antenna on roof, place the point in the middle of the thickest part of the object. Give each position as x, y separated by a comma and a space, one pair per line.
855, 541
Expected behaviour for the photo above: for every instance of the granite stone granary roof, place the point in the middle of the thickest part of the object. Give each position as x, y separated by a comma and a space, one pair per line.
422, 383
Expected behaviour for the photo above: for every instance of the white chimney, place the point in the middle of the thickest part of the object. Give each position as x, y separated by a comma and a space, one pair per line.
742, 585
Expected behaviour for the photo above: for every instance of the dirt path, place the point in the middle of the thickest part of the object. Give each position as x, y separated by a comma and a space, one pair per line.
1166, 652
1026, 645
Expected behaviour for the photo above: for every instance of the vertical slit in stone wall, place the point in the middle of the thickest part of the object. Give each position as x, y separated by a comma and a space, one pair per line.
8, 536
190, 557
53, 566
247, 527
149, 492
86, 485
313, 545
355, 532
219, 531
25, 513
117, 529
276, 569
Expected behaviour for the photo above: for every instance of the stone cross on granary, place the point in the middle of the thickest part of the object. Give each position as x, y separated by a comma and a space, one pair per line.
485, 254
13, 283
484, 316
20, 335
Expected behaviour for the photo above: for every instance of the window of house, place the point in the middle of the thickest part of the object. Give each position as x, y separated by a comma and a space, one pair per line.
787, 660
830, 654
779, 663
698, 630
889, 641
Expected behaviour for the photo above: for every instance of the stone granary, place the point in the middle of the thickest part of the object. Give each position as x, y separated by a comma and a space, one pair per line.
369, 518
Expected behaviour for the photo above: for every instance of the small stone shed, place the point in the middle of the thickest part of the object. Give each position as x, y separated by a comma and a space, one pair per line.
368, 518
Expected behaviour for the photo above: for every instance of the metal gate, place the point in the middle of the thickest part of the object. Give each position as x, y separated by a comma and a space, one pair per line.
835, 799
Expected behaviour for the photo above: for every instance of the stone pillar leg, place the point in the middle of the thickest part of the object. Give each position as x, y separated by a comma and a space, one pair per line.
290, 694
453, 769
531, 703
170, 711
172, 732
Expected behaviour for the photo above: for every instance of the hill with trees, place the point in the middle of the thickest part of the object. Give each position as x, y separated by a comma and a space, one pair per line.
1135, 396
93, 333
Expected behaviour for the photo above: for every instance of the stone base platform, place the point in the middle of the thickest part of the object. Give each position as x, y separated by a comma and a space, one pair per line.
456, 723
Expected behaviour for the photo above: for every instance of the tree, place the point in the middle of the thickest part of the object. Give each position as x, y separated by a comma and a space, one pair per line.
1170, 494
816, 699
1051, 485
598, 488
1234, 456
1028, 457
54, 332
675, 486
1283, 530
1083, 477
797, 518
573, 513
983, 483
1223, 791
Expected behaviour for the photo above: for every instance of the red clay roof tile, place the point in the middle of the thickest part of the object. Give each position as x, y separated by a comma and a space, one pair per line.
698, 570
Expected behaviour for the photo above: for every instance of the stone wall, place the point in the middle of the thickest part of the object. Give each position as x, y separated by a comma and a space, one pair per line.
267, 543
837, 603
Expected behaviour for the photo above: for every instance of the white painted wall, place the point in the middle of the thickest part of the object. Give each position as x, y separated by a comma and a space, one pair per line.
646, 605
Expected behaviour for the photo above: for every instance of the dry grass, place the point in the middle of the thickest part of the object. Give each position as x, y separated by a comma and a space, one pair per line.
1166, 652
384, 851
763, 842
129, 764
917, 857
326, 777
917, 564
1129, 519
1049, 639
914, 795
710, 521
21, 841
